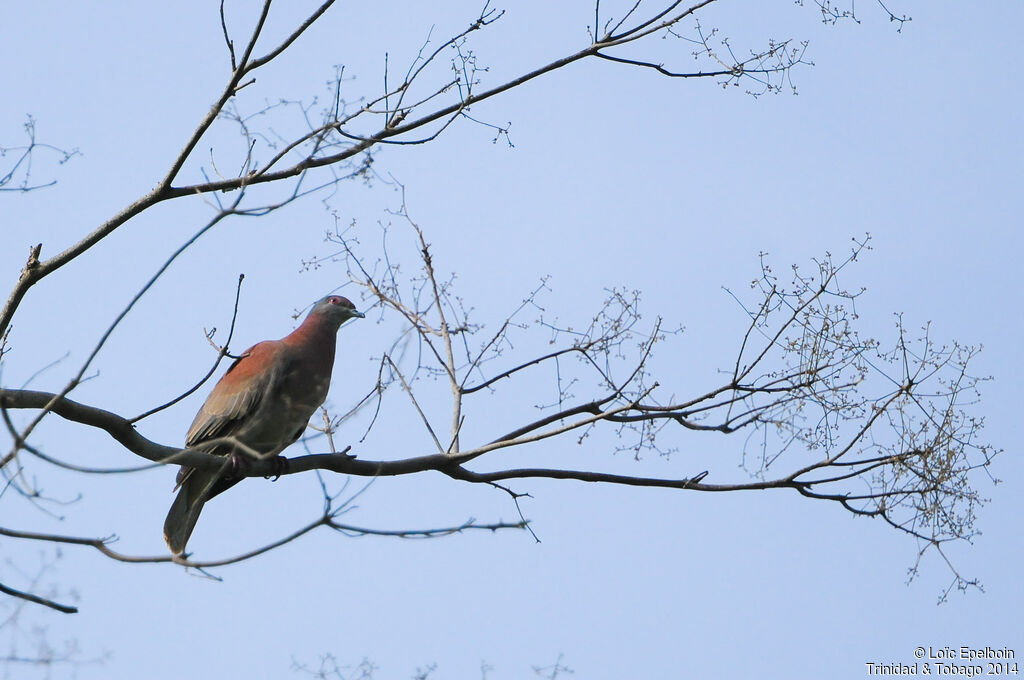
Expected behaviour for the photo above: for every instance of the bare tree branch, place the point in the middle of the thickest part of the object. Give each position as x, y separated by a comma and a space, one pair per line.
63, 608
882, 430
221, 353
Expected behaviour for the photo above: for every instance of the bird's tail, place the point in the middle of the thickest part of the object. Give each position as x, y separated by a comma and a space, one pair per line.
195, 487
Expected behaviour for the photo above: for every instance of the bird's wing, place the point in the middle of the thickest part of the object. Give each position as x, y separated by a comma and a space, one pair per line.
238, 394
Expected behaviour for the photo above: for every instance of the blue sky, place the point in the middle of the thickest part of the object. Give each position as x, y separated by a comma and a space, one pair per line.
617, 178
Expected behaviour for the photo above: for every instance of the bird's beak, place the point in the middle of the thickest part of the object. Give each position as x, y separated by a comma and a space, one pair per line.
358, 315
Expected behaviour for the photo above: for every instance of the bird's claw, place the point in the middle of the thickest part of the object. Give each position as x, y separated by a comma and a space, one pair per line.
280, 468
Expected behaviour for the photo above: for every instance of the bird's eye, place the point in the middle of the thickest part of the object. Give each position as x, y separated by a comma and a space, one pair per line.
335, 301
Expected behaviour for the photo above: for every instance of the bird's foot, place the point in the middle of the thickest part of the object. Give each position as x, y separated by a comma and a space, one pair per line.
238, 467
280, 468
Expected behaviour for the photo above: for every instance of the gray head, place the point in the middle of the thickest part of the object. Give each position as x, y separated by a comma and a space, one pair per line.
335, 310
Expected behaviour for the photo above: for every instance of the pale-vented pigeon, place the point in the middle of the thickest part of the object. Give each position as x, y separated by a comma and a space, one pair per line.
264, 403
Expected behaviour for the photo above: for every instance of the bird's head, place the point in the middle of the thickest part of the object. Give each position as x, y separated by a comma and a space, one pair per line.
335, 310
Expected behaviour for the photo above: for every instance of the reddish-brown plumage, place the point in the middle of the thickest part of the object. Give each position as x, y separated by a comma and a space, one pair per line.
259, 407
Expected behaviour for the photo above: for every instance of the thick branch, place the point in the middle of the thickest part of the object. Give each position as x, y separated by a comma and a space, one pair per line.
121, 430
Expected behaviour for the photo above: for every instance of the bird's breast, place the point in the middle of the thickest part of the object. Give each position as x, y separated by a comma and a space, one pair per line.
298, 392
